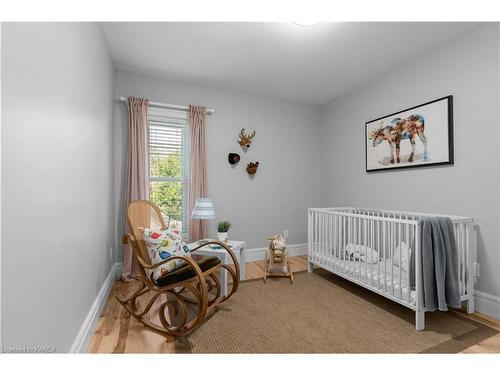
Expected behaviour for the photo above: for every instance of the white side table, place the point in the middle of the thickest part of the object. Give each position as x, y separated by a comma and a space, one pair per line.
238, 248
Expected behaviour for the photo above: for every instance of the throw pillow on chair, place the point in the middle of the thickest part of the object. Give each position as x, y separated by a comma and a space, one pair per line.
161, 245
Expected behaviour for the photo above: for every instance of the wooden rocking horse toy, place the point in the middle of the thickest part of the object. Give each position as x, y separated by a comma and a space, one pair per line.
179, 301
276, 262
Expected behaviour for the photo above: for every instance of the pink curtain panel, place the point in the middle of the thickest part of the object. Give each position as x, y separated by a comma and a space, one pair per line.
137, 177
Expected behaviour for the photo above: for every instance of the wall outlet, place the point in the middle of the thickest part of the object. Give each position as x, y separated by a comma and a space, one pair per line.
285, 233
111, 253
476, 270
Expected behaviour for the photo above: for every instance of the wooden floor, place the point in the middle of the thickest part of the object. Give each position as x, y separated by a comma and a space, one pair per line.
117, 332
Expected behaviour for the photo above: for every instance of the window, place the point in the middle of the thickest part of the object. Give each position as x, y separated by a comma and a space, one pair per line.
169, 163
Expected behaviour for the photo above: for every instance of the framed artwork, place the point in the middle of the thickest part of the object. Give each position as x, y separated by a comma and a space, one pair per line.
414, 137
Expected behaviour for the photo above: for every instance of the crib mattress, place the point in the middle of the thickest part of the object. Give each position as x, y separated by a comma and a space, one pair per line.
374, 277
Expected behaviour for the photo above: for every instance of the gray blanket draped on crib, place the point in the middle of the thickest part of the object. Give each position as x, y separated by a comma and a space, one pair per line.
441, 288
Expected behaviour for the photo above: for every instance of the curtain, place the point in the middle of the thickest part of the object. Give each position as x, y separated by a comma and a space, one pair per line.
197, 229
137, 176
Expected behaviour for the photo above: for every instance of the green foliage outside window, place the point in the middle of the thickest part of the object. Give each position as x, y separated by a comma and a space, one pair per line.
167, 195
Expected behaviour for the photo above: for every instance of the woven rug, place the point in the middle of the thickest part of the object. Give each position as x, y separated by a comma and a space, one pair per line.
323, 313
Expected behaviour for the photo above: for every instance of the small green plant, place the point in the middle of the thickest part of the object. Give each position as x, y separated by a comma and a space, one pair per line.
224, 226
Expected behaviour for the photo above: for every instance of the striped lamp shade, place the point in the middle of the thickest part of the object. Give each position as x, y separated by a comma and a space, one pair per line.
203, 209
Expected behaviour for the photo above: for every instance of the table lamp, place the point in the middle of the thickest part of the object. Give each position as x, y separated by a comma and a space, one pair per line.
203, 210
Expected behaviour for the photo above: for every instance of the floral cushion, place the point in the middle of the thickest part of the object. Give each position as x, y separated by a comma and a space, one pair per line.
163, 244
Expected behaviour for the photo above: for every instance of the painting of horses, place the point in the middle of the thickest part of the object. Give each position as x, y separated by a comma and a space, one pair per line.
415, 137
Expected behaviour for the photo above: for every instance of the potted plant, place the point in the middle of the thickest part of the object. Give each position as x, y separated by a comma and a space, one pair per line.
222, 229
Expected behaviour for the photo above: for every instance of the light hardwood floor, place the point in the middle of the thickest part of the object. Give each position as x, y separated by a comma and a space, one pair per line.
117, 332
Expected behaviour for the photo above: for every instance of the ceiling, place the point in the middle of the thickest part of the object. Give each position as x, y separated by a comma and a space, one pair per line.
308, 64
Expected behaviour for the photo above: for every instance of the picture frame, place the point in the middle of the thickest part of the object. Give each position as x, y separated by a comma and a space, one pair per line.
414, 137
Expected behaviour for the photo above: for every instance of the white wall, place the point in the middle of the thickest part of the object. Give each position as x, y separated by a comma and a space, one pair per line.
286, 145
57, 175
468, 69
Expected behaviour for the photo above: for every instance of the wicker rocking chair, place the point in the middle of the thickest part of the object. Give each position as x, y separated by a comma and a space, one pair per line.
191, 291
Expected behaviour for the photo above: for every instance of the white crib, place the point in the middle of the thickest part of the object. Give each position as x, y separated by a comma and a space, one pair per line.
332, 231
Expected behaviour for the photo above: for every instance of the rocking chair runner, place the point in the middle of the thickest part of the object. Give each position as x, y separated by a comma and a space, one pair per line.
198, 277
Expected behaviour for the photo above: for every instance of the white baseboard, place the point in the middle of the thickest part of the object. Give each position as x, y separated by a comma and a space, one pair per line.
487, 304
257, 254
82, 340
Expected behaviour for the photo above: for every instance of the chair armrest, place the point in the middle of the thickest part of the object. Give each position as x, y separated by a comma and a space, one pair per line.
224, 246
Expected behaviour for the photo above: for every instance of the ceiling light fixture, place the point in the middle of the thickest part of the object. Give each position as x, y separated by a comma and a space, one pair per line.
306, 23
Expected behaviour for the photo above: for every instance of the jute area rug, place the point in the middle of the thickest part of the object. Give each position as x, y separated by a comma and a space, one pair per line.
323, 313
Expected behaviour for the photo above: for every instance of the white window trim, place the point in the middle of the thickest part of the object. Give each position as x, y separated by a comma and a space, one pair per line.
175, 119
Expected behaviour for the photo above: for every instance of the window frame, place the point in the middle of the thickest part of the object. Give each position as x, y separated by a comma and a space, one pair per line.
173, 119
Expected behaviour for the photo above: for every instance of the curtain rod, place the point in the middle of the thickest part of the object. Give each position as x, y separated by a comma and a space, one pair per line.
170, 106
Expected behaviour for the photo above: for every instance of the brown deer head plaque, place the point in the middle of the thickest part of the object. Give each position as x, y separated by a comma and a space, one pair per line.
252, 168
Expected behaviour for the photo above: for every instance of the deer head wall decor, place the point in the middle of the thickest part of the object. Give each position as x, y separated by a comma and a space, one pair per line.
245, 140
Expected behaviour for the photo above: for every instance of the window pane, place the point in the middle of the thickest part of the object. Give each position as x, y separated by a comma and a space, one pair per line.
169, 160
166, 165
165, 151
168, 197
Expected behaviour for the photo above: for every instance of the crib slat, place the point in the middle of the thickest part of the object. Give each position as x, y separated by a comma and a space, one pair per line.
339, 239
353, 239
318, 239
418, 277
357, 240
320, 231
340, 220
379, 254
314, 227
331, 232
357, 268
317, 236
461, 263
333, 240
330, 240
346, 264
466, 261
408, 261
324, 218
308, 233
384, 247
400, 261
326, 233
372, 245
393, 248
311, 232
337, 243
456, 229
325, 238
365, 226
344, 239
361, 239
